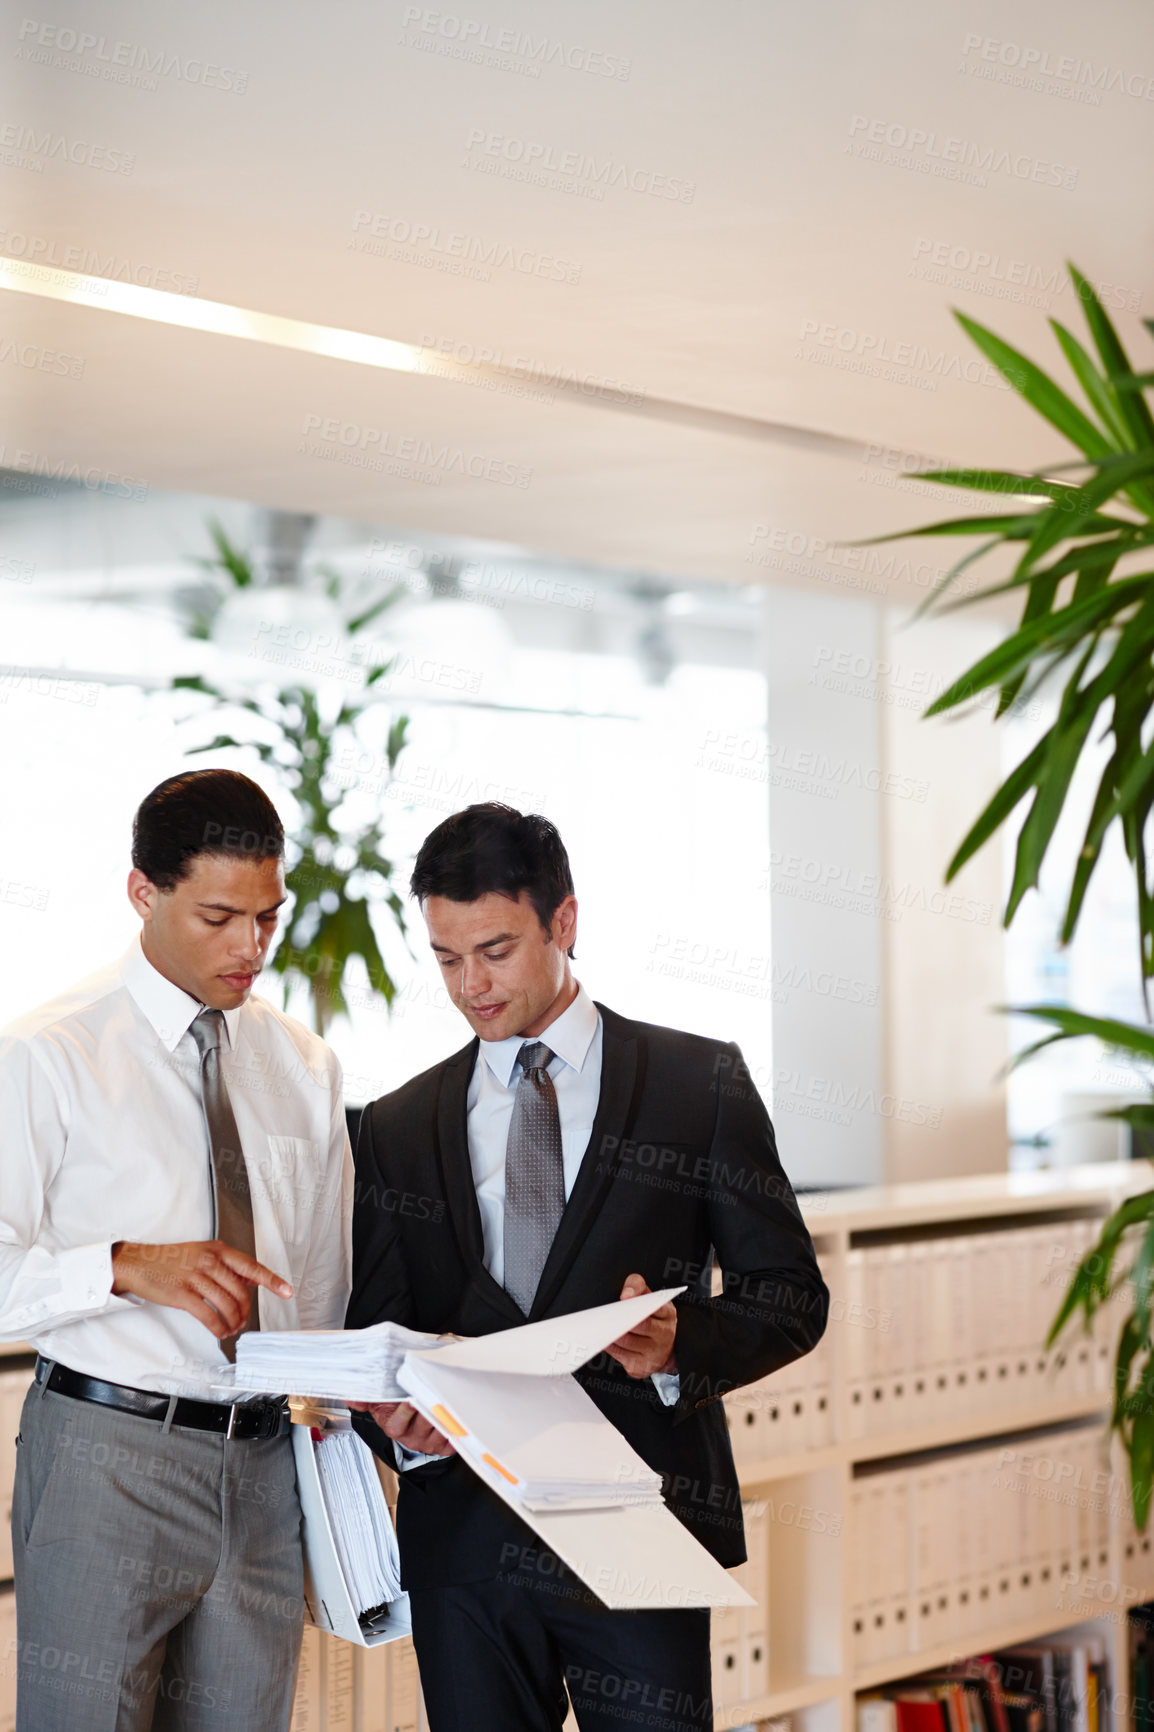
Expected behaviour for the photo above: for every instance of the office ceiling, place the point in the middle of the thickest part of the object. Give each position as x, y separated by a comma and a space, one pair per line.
757, 208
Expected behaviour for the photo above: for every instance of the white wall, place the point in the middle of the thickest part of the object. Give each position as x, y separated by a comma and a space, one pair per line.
886, 1054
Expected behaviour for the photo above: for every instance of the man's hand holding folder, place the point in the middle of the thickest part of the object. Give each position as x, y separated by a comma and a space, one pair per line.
400, 1421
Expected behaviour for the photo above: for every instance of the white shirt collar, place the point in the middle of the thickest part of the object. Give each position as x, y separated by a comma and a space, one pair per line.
570, 1036
169, 1009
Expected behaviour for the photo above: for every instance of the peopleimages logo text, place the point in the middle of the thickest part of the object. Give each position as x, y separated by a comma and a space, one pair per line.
1068, 68
918, 145
574, 165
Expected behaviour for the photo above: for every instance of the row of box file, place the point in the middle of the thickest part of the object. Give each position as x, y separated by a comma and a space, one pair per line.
342, 1688
938, 1329
740, 1634
789, 1412
963, 1542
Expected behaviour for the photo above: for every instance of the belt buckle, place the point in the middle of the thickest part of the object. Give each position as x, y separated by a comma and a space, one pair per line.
270, 1421
232, 1413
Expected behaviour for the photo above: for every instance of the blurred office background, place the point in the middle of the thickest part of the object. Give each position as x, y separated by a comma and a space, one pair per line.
597, 336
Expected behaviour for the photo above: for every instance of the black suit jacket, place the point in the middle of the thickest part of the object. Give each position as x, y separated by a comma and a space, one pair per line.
681, 1168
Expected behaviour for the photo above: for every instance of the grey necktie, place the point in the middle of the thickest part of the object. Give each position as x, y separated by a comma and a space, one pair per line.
232, 1200
534, 1175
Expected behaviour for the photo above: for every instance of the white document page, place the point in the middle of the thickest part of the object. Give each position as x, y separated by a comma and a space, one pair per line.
543, 1437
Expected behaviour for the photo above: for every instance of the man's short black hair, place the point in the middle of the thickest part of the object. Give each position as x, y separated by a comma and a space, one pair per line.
203, 812
491, 847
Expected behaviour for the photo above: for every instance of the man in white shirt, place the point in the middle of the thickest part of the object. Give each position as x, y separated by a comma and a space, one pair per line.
172, 1148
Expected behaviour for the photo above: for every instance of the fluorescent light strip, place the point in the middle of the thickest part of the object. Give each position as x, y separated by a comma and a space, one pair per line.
163, 307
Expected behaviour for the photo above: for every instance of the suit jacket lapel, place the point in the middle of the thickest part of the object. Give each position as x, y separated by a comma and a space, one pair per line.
622, 1077
457, 1177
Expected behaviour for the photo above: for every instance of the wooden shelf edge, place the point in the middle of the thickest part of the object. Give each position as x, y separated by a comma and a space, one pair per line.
971, 1431
753, 1473
784, 1700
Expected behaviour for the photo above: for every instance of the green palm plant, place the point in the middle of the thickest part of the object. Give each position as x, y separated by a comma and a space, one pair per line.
338, 870
1078, 535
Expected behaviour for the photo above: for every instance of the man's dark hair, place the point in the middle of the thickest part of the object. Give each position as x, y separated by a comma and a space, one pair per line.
492, 847
203, 812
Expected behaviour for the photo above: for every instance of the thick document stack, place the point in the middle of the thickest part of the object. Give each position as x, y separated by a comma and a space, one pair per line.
359, 1364
960, 1544
518, 1418
739, 1635
789, 1412
941, 1329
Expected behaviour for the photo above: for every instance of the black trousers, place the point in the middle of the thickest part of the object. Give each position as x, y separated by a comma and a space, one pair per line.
503, 1656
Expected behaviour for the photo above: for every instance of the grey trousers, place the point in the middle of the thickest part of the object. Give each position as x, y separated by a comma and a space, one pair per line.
158, 1575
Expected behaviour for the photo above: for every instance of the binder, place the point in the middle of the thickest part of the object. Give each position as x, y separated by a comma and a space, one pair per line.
328, 1603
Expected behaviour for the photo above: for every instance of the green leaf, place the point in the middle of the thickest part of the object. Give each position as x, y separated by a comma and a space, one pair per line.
1099, 394
361, 620
1014, 789
1038, 390
1114, 359
1074, 1024
1019, 649
1129, 1342
1142, 1461
397, 740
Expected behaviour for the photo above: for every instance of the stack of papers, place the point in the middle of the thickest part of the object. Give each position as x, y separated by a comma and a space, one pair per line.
540, 1439
363, 1535
346, 1364
517, 1418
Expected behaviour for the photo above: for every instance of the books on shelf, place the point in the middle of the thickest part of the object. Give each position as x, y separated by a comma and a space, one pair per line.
1060, 1683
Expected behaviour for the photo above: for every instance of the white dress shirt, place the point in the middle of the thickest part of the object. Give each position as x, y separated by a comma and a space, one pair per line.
575, 1071
104, 1138
574, 1038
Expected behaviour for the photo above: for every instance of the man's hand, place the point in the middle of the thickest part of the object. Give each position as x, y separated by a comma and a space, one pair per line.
206, 1278
405, 1425
649, 1347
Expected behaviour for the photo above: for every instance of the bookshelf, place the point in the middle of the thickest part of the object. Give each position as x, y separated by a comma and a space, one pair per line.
943, 1280
960, 1259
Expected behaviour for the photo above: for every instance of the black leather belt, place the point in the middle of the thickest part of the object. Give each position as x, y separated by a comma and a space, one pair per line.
263, 1419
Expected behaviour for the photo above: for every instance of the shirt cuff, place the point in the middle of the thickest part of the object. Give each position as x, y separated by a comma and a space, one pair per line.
668, 1386
62, 1287
407, 1458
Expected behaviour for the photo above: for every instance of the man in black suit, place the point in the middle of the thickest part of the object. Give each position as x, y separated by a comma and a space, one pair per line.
566, 1157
